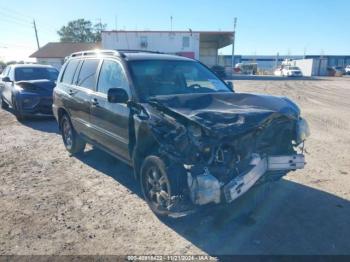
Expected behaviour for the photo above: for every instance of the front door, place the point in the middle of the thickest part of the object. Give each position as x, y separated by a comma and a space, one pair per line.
110, 120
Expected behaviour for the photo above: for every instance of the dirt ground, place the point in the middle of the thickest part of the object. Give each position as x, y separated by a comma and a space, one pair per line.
51, 203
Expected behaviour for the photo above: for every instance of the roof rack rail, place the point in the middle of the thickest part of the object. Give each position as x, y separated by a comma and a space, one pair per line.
138, 51
95, 52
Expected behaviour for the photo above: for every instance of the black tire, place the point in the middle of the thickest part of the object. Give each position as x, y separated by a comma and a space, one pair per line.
156, 186
18, 113
71, 139
4, 105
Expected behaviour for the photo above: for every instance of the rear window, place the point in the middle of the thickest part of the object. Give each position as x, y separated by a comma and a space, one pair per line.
70, 71
35, 73
87, 76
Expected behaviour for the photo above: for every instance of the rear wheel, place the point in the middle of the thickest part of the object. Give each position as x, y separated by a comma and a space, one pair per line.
4, 105
156, 186
71, 139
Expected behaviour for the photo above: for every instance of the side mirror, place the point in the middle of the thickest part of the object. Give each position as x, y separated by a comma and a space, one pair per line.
117, 95
6, 79
230, 85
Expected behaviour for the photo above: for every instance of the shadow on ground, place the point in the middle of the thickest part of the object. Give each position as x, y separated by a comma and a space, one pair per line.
43, 124
48, 125
279, 218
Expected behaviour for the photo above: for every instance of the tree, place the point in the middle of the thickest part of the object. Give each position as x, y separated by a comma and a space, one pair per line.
81, 31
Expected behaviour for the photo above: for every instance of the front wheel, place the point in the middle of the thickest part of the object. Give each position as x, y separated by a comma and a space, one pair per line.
72, 141
156, 185
16, 110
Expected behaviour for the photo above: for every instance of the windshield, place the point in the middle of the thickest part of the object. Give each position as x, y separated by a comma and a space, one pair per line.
163, 77
35, 73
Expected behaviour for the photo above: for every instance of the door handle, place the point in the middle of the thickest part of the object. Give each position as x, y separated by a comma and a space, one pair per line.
94, 102
71, 92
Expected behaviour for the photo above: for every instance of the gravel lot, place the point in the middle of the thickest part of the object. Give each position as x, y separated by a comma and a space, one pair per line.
51, 203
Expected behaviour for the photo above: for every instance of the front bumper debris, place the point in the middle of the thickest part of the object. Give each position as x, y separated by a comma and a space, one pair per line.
260, 166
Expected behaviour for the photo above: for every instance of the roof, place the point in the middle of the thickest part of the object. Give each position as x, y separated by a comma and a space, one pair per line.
61, 50
222, 38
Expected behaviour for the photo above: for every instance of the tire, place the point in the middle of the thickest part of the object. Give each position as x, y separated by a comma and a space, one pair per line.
4, 105
73, 143
156, 186
19, 116
17, 112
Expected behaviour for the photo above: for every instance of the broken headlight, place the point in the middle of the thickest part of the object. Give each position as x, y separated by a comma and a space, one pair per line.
303, 131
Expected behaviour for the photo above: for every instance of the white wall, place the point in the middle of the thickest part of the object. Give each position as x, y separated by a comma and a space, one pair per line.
312, 67
209, 53
165, 42
305, 65
55, 62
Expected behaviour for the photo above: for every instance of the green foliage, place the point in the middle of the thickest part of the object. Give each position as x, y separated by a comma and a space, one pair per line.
81, 31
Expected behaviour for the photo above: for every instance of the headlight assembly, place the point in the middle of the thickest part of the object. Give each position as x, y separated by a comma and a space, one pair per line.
303, 131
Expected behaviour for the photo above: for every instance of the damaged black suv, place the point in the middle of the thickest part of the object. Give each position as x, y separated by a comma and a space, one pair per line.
191, 139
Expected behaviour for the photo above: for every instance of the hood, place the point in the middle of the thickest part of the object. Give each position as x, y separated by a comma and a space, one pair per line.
37, 86
228, 112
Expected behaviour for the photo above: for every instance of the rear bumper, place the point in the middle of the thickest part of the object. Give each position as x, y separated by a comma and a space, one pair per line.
55, 111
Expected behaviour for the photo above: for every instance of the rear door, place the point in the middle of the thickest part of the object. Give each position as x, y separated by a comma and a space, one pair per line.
67, 90
110, 120
84, 84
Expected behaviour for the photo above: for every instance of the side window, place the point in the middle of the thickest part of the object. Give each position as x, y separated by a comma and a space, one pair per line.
112, 76
87, 76
70, 71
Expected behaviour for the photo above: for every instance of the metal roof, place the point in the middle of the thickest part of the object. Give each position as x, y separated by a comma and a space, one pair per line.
61, 50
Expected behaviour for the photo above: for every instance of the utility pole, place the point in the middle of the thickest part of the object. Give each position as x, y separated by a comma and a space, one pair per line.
233, 44
36, 34
171, 23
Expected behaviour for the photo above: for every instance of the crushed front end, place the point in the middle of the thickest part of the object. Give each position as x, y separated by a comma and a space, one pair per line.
225, 152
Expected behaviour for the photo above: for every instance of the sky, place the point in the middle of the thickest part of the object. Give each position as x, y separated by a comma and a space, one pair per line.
264, 27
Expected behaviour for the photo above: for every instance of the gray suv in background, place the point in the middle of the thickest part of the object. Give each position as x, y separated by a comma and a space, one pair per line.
191, 139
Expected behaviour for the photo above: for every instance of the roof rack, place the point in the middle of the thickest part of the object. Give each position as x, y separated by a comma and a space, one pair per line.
138, 51
119, 52
95, 52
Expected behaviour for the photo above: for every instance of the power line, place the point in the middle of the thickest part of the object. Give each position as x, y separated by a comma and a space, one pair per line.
13, 16
18, 19
9, 20
16, 12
